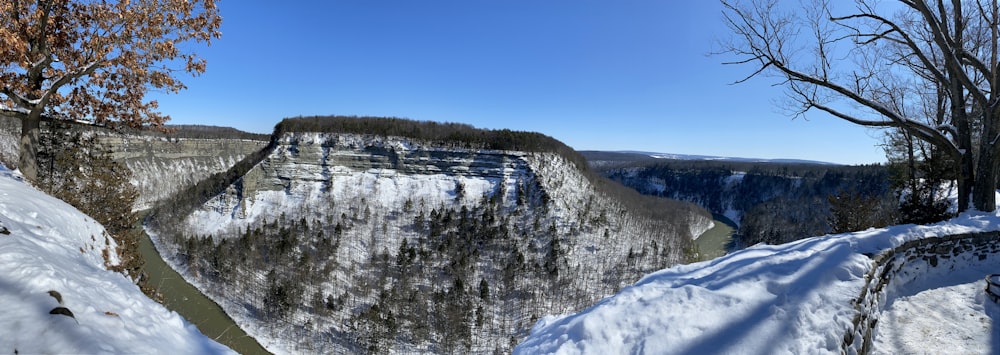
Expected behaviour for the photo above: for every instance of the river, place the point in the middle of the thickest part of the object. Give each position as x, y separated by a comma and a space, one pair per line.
195, 307
717, 241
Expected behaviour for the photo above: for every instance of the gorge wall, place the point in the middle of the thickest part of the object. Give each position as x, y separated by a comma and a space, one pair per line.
773, 203
372, 243
161, 164
395, 244
321, 160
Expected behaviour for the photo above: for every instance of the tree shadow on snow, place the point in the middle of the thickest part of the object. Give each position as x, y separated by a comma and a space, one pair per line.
789, 300
992, 310
931, 278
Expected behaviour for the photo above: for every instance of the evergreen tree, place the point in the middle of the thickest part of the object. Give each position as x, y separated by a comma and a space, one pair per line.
919, 172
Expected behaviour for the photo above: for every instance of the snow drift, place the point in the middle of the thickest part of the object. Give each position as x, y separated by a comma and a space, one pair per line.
47, 245
794, 298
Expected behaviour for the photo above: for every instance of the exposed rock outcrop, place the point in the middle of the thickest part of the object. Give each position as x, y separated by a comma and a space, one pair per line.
161, 164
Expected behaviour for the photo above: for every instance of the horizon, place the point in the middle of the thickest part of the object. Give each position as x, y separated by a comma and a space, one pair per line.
625, 76
649, 154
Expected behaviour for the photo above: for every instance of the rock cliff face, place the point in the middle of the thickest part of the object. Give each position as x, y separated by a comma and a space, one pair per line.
403, 245
314, 158
383, 171
163, 166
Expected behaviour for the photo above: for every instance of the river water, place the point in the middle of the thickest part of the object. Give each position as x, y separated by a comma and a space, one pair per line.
717, 241
195, 307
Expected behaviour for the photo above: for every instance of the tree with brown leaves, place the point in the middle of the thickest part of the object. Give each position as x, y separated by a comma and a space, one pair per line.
76, 59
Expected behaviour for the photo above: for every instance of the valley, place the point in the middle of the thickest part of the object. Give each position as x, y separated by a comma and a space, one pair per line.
345, 234
341, 240
767, 202
139, 214
717, 241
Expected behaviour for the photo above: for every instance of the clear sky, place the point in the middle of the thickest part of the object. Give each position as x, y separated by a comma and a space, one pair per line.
597, 75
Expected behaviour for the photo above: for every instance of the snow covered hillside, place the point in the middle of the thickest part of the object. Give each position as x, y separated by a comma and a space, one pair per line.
341, 242
52, 265
795, 298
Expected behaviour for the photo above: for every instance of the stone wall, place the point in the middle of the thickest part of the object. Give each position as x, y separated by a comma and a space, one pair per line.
900, 265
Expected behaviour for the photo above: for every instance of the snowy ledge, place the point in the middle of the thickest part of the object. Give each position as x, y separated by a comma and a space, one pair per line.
898, 266
796, 298
56, 295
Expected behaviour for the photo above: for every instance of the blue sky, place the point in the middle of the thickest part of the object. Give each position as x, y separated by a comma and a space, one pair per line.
597, 75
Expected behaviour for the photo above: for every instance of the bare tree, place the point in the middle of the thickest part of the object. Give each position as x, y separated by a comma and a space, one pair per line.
928, 68
95, 59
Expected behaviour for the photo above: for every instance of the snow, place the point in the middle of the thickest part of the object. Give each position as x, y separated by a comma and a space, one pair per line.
794, 298
50, 246
698, 229
4, 107
942, 310
955, 317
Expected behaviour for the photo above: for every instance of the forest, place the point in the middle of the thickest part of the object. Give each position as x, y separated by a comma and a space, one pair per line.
773, 203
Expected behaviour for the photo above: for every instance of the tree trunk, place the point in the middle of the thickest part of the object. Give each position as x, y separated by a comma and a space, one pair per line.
966, 163
965, 182
30, 133
984, 192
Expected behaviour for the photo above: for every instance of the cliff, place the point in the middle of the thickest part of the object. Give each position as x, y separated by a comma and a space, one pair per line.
391, 243
396, 236
354, 167
161, 164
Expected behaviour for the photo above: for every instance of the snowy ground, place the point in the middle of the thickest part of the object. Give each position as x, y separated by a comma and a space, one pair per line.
47, 245
788, 299
942, 315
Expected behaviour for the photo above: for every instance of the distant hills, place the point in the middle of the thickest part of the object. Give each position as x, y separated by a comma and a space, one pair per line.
629, 155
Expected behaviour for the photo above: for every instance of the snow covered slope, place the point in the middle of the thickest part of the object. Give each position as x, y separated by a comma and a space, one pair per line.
794, 298
47, 245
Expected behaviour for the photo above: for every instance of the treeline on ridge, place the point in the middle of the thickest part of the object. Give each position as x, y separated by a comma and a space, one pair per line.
207, 132
459, 134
